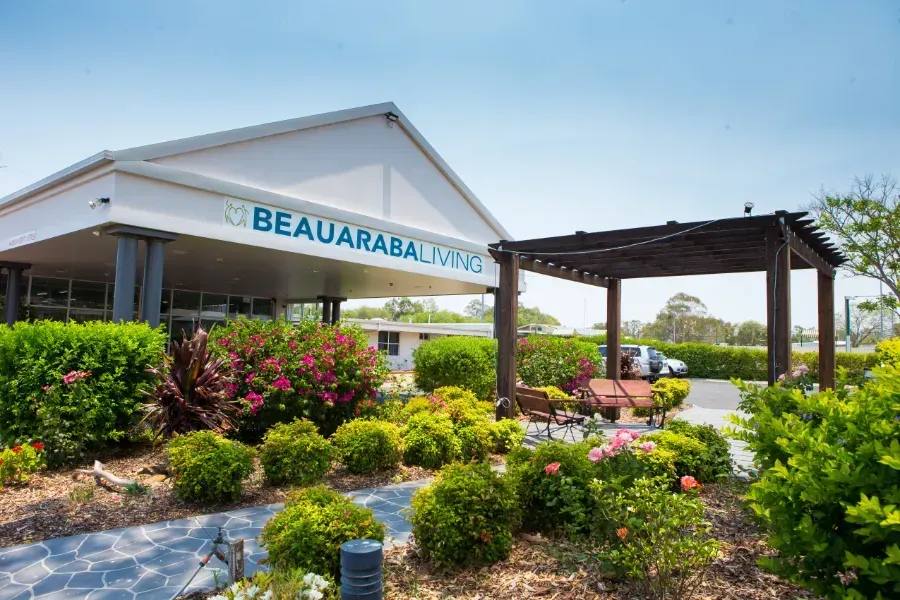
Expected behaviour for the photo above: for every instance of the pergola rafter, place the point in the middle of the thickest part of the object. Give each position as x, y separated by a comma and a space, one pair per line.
775, 244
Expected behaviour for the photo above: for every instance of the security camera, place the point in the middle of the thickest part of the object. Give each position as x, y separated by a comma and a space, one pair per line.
97, 202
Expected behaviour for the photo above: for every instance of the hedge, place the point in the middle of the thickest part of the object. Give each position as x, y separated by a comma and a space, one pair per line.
41, 399
462, 361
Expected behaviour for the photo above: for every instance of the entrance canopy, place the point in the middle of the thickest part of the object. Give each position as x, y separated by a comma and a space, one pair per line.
348, 204
774, 243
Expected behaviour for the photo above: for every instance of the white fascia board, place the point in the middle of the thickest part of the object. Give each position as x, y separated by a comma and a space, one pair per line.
236, 190
243, 134
437, 329
59, 177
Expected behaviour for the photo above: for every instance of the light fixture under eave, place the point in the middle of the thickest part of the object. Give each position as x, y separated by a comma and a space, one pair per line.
748, 208
98, 202
97, 233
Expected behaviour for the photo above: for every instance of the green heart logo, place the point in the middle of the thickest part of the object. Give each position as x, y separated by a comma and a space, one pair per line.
236, 215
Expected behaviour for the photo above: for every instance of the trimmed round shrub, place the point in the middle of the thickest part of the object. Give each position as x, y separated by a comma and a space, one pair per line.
466, 516
295, 453
475, 441
309, 532
680, 454
421, 404
715, 465
564, 363
552, 485
457, 400
466, 362
208, 468
506, 434
430, 441
669, 392
366, 446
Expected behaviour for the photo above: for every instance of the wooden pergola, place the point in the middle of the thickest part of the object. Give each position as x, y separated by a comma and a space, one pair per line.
774, 243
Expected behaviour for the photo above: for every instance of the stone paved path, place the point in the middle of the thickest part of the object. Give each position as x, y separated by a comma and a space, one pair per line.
153, 562
718, 418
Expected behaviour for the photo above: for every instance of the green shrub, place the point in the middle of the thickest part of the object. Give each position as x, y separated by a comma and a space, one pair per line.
887, 352
88, 413
669, 393
309, 532
466, 516
421, 404
20, 462
207, 467
430, 441
829, 488
716, 462
295, 453
366, 446
660, 539
474, 435
684, 457
466, 362
552, 486
457, 400
554, 393
390, 410
506, 435
564, 363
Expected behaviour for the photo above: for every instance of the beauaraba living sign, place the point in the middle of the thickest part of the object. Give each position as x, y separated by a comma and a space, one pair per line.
309, 229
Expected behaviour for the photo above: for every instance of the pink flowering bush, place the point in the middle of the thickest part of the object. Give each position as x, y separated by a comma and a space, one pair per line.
281, 371
565, 363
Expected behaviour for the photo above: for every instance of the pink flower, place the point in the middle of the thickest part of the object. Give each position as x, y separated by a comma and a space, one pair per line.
689, 483
236, 364
232, 355
250, 378
47, 388
292, 345
308, 360
115, 498
282, 383
627, 434
647, 447
781, 377
596, 454
255, 400
552, 468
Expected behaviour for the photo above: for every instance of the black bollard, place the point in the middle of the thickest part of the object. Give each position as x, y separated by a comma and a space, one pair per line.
361, 577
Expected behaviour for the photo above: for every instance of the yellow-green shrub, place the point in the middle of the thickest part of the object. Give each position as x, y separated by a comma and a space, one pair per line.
366, 446
421, 404
454, 360
506, 435
295, 453
669, 393
207, 467
430, 441
474, 433
887, 352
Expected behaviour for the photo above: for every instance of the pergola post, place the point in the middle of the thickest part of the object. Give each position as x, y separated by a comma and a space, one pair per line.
826, 331
778, 303
506, 310
613, 338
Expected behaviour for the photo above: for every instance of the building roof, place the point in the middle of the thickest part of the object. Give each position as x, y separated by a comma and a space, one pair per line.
473, 329
211, 140
732, 245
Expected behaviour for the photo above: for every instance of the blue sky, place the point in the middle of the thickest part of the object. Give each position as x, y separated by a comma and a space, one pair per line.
560, 116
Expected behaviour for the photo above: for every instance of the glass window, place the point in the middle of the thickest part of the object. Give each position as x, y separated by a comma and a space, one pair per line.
83, 316
238, 305
424, 336
603, 351
87, 294
185, 304
213, 306
166, 302
263, 309
389, 341
49, 292
183, 326
49, 313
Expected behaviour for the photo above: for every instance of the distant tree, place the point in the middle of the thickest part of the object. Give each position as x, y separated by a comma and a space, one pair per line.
866, 223
749, 333
442, 316
863, 323
428, 305
398, 308
528, 316
366, 312
684, 318
475, 307
631, 328
601, 326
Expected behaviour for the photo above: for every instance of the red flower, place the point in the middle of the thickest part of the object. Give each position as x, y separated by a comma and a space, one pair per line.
38, 446
689, 483
16, 449
552, 468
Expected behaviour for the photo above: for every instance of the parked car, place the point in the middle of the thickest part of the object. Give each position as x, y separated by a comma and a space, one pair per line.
645, 356
672, 367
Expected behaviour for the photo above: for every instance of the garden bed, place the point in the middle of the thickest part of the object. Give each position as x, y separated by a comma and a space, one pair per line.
566, 571
61, 503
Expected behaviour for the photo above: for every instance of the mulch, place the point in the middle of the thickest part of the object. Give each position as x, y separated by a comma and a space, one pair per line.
559, 570
53, 503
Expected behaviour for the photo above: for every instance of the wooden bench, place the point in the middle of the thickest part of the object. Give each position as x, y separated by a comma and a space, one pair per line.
537, 406
612, 395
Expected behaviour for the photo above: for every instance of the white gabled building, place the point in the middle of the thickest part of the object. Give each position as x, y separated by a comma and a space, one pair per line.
348, 204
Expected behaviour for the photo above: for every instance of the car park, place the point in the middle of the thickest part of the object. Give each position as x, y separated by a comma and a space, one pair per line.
645, 357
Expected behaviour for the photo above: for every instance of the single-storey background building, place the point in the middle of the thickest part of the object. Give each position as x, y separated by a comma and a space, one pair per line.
349, 204
398, 340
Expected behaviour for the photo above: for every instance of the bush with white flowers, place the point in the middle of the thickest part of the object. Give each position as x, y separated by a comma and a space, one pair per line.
281, 585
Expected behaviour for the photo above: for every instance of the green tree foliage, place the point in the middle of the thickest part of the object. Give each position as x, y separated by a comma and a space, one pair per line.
684, 318
866, 223
749, 333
